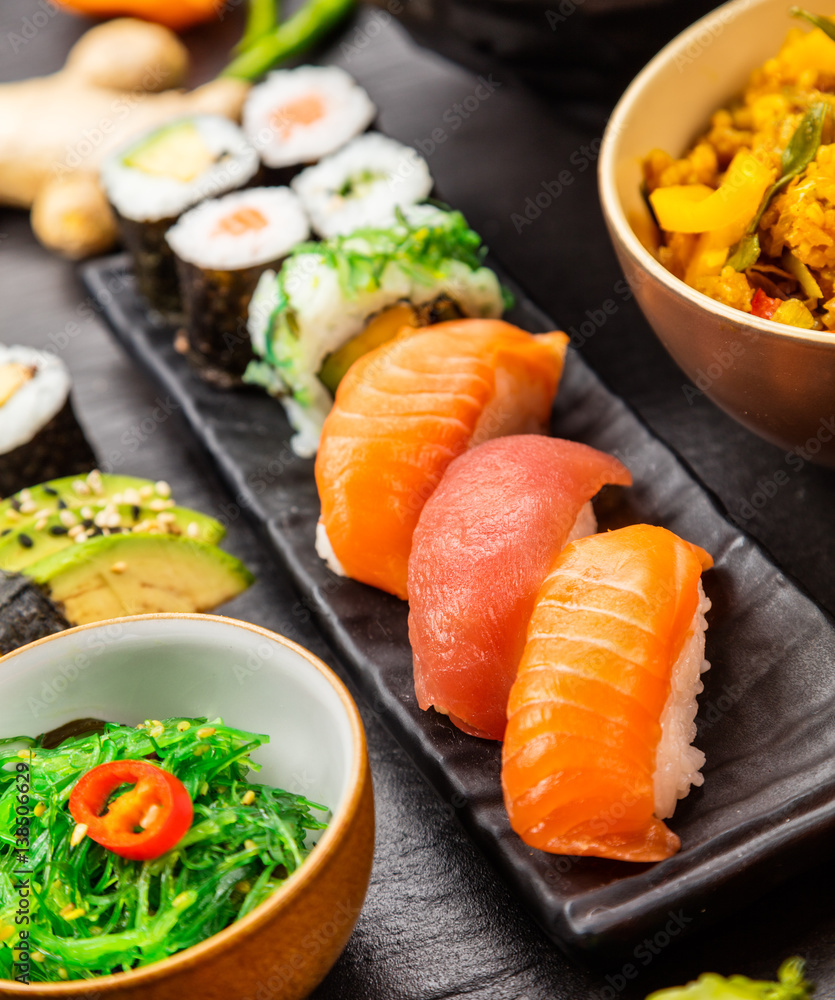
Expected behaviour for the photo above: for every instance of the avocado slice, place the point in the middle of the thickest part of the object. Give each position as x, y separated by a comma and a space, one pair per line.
24, 546
378, 331
135, 574
176, 151
23, 509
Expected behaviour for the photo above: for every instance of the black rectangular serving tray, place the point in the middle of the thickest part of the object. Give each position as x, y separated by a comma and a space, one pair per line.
766, 718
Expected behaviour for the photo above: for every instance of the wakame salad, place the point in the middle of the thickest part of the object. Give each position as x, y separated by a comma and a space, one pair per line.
121, 847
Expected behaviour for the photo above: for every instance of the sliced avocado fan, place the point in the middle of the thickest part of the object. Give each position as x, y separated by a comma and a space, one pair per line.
133, 574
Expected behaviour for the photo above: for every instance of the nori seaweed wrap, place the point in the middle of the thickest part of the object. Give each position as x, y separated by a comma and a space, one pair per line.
26, 613
40, 437
222, 247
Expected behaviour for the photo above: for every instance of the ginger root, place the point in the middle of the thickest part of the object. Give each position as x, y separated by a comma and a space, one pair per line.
55, 130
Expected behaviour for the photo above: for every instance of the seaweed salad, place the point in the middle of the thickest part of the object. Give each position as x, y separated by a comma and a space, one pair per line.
72, 909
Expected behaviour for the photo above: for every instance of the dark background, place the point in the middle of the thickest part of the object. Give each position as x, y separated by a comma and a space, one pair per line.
437, 923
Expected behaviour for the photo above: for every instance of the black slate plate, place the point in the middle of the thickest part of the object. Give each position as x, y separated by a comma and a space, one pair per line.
766, 718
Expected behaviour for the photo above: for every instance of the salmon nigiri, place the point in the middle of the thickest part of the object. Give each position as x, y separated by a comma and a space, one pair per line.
482, 547
601, 715
402, 413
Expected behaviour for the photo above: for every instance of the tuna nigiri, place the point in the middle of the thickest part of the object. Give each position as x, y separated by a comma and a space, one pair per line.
402, 413
482, 547
600, 717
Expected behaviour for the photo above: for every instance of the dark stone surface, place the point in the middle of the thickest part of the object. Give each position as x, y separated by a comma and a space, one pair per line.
437, 922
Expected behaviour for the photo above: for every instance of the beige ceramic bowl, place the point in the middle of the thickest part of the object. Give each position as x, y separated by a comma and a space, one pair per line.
778, 381
161, 666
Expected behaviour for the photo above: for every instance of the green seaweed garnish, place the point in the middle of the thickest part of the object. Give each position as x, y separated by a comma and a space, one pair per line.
791, 985
92, 912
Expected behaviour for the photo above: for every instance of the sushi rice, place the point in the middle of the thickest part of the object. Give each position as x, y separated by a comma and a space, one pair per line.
363, 185
144, 196
36, 401
242, 229
325, 293
297, 116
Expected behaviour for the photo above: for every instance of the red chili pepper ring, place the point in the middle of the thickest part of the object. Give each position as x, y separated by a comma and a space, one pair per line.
143, 822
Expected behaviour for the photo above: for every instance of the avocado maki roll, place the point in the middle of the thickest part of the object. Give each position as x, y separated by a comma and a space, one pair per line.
26, 613
362, 185
151, 181
333, 301
40, 437
222, 247
298, 116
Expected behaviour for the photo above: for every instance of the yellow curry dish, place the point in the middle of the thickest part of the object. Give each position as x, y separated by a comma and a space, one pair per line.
747, 215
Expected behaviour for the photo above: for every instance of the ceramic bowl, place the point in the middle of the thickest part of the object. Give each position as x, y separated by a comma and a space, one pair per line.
778, 381
161, 666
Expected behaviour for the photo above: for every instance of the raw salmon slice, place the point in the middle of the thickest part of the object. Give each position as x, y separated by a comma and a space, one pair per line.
600, 717
402, 413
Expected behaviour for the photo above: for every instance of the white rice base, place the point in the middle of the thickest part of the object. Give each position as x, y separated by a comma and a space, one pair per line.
677, 763
404, 179
145, 197
37, 401
348, 112
194, 238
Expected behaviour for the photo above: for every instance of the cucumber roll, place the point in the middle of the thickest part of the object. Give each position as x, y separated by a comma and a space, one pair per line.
156, 177
362, 185
222, 247
333, 301
40, 437
297, 116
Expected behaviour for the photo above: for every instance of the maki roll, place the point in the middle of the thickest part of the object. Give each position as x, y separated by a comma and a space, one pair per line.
40, 437
26, 613
333, 301
297, 116
222, 247
156, 177
363, 185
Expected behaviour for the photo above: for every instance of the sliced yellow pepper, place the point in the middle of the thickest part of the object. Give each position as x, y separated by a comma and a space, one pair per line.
695, 208
792, 312
814, 50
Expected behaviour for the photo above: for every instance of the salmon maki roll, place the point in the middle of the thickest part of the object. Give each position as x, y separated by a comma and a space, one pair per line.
402, 413
601, 716
484, 543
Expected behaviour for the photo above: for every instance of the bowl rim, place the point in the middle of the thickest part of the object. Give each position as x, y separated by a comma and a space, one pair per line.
613, 209
295, 885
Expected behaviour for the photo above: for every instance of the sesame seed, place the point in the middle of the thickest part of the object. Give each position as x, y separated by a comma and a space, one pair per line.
24, 495
28, 507
243, 887
62, 973
87, 513
78, 834
183, 726
72, 912
199, 751
156, 731
81, 537
67, 518
43, 512
12, 515
150, 816
41, 523
166, 517
248, 798
132, 497
58, 529
39, 809
116, 499
100, 520
250, 845
112, 520
76, 530
193, 530
25, 540
50, 491
26, 754
146, 492
206, 731
162, 489
158, 504
204, 788
81, 488
38, 956
181, 900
